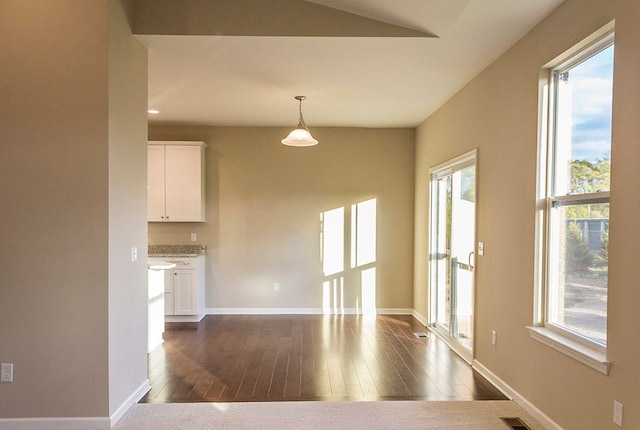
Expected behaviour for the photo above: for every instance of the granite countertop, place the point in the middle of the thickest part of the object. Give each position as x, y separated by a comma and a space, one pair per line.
177, 250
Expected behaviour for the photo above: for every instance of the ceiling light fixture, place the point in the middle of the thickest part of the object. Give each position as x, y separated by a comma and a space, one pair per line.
300, 136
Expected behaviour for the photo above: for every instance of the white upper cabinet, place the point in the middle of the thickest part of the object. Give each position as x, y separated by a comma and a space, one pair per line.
155, 183
175, 181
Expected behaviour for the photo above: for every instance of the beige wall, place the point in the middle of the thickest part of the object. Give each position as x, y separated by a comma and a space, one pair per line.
71, 210
128, 296
54, 208
65, 142
497, 113
264, 201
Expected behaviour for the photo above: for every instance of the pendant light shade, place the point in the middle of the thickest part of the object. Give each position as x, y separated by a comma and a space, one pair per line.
300, 136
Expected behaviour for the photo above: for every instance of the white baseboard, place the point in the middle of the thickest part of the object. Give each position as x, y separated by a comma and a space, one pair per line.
184, 318
130, 401
421, 318
263, 311
395, 311
516, 397
300, 311
76, 423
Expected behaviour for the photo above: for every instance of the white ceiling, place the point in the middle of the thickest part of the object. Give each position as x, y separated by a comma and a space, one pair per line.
251, 80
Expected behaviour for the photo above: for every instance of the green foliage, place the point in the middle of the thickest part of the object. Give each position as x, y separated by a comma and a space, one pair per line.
579, 257
587, 177
590, 176
603, 256
593, 210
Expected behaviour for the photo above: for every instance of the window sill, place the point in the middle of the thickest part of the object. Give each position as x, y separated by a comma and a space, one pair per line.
592, 358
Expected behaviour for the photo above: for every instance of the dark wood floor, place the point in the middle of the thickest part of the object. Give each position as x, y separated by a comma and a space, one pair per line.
287, 358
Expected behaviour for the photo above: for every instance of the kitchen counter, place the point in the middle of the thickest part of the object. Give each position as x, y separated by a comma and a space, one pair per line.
184, 283
156, 251
160, 265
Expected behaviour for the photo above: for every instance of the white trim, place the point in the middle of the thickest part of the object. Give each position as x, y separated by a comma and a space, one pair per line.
512, 394
594, 44
491, 377
66, 423
421, 318
464, 353
448, 168
395, 311
130, 401
592, 39
579, 199
301, 311
76, 423
455, 163
178, 143
264, 311
584, 354
184, 318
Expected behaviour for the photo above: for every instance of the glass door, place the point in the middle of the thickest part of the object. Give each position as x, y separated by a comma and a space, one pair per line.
452, 259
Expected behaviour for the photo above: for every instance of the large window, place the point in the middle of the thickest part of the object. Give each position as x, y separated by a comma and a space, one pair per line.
574, 224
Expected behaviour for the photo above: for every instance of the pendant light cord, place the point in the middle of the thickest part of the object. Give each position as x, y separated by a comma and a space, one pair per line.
301, 123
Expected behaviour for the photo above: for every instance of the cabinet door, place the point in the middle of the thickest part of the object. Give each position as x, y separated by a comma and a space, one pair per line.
155, 183
184, 292
183, 184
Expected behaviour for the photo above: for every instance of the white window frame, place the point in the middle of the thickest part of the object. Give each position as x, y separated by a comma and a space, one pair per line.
586, 351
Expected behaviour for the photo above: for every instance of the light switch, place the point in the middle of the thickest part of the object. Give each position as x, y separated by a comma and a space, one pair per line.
134, 254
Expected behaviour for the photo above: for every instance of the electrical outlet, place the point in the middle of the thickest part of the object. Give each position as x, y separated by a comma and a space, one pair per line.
617, 413
480, 248
6, 372
134, 254
276, 287
494, 338
193, 237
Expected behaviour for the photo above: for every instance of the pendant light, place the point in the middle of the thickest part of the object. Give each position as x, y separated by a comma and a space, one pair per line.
300, 136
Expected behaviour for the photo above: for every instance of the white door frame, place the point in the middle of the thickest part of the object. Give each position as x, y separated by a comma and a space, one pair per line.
449, 167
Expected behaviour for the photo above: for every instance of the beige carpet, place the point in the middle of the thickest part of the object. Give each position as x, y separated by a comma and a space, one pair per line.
479, 415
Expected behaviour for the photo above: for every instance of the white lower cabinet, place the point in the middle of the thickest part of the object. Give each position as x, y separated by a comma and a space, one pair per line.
184, 289
185, 292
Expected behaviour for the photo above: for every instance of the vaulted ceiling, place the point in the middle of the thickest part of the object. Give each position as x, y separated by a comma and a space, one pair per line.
361, 63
